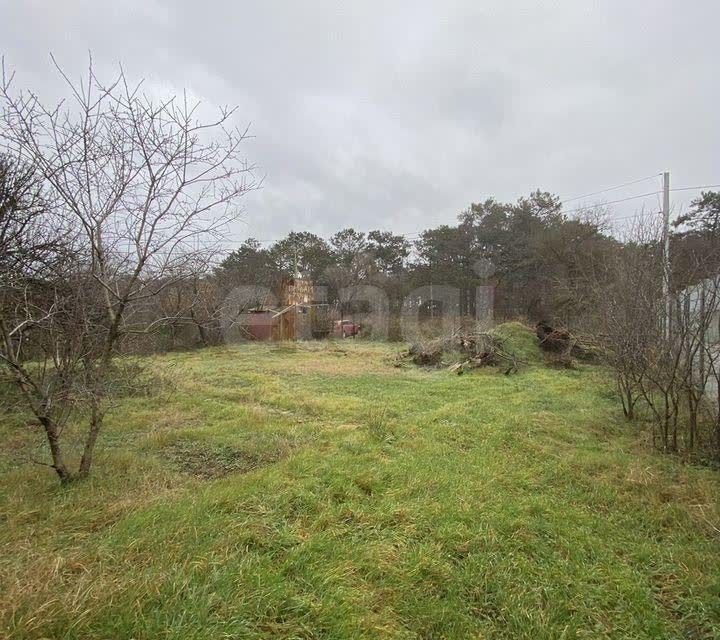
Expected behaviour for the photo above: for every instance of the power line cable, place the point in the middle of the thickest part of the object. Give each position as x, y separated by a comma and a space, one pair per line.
642, 195
702, 186
604, 204
619, 186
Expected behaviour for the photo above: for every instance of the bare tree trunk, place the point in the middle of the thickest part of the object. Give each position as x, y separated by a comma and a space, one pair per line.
36, 401
627, 397
201, 329
693, 407
53, 438
96, 419
96, 414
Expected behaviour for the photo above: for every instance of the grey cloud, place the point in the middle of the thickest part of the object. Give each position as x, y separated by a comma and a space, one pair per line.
397, 115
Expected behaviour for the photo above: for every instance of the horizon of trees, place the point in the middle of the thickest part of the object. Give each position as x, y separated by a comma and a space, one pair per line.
534, 255
538, 258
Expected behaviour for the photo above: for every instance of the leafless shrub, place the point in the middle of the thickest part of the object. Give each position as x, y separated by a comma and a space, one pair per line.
628, 302
146, 189
663, 354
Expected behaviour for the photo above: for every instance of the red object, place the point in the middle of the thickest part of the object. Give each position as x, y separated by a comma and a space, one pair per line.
260, 325
345, 329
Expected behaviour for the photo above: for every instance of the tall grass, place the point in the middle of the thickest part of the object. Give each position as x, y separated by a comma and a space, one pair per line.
349, 499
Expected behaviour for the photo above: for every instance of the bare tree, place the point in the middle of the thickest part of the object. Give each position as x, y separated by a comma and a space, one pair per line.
191, 309
31, 231
149, 188
695, 330
664, 367
711, 363
625, 292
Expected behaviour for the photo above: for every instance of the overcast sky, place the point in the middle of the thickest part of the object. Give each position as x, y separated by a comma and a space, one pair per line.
397, 115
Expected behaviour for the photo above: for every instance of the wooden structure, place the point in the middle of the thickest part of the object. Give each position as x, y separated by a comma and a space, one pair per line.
294, 320
297, 291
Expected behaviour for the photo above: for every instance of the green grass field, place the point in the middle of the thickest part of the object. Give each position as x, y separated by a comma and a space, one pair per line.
317, 491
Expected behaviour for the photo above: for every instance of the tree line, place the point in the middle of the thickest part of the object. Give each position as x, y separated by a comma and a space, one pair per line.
536, 258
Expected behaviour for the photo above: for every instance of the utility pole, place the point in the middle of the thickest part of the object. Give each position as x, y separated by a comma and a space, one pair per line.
666, 254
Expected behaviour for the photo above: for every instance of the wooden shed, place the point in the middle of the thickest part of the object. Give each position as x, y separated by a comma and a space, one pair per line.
294, 320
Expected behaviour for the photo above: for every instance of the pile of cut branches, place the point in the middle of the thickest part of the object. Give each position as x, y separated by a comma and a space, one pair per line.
429, 354
475, 349
484, 349
562, 346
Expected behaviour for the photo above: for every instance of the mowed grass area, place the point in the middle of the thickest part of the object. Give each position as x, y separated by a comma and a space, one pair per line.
317, 491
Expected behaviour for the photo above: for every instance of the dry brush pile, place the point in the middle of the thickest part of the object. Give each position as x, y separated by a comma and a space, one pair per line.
508, 346
562, 347
462, 351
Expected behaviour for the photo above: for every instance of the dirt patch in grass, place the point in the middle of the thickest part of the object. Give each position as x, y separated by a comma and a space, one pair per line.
209, 460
